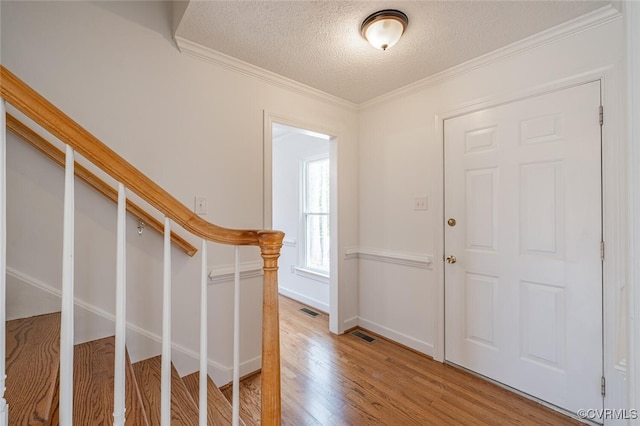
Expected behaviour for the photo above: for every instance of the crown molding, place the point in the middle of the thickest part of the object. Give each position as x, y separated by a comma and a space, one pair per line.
570, 28
207, 54
575, 26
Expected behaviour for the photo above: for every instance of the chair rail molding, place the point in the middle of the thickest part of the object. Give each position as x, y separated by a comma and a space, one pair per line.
414, 260
224, 273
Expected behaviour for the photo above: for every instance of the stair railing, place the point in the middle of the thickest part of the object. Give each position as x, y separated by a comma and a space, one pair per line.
77, 139
49, 150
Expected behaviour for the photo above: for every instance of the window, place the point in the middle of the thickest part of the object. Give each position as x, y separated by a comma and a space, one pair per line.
315, 212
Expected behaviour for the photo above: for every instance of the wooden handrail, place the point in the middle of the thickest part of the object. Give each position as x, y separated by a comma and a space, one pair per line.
41, 144
49, 117
60, 125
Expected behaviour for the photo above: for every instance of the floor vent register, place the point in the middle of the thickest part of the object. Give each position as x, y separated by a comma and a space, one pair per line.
309, 312
362, 336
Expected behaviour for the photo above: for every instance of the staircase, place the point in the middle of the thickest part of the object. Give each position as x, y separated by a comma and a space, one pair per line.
32, 384
49, 379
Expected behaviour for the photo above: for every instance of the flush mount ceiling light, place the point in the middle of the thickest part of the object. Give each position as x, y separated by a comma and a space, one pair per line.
383, 29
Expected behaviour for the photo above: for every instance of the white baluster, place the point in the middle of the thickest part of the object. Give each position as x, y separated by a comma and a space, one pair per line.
4, 408
165, 395
121, 310
203, 336
66, 328
236, 341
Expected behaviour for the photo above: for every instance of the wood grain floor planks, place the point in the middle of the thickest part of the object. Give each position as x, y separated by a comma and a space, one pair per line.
326, 380
342, 380
93, 368
219, 409
33, 361
183, 408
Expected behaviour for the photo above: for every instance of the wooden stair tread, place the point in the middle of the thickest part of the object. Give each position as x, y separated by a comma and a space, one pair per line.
33, 360
183, 408
55, 406
218, 408
93, 376
250, 403
32, 363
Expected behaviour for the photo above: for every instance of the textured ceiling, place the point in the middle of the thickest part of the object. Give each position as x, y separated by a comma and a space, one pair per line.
318, 43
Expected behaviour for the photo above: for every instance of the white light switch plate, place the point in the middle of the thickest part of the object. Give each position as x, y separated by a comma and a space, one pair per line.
200, 205
421, 203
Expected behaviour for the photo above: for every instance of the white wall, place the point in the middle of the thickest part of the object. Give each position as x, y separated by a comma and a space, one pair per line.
193, 127
289, 151
632, 21
401, 158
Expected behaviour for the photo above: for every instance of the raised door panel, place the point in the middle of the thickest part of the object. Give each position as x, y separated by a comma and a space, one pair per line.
523, 303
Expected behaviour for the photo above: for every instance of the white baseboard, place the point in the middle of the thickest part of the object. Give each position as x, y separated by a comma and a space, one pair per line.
351, 323
29, 296
396, 336
317, 304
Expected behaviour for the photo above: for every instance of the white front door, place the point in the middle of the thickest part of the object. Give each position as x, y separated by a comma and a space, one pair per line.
523, 300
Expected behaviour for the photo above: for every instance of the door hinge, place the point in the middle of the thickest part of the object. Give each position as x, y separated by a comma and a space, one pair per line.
602, 250
603, 386
601, 115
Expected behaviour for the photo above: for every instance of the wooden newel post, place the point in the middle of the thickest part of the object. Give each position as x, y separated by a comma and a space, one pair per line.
270, 245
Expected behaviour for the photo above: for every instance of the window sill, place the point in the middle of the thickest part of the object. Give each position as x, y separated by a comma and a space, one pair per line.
312, 275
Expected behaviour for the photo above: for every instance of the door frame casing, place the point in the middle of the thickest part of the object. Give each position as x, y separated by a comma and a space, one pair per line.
269, 119
615, 225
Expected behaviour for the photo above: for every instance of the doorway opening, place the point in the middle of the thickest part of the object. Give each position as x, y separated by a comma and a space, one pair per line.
301, 206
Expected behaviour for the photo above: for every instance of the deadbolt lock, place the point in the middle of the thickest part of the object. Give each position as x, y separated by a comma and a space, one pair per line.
451, 222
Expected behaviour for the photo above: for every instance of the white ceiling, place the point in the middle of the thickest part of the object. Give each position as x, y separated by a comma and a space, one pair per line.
318, 43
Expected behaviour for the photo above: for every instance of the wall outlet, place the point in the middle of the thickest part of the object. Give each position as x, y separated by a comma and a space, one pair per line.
421, 203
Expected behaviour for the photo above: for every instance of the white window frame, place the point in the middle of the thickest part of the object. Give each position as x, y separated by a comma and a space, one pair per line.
304, 269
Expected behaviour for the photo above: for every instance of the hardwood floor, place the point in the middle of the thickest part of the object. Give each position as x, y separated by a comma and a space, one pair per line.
32, 368
183, 409
93, 372
218, 408
342, 380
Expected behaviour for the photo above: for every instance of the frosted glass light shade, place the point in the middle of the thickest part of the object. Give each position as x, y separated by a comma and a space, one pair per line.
383, 29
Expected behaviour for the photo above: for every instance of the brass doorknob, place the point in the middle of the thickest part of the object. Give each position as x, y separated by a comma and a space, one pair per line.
451, 259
